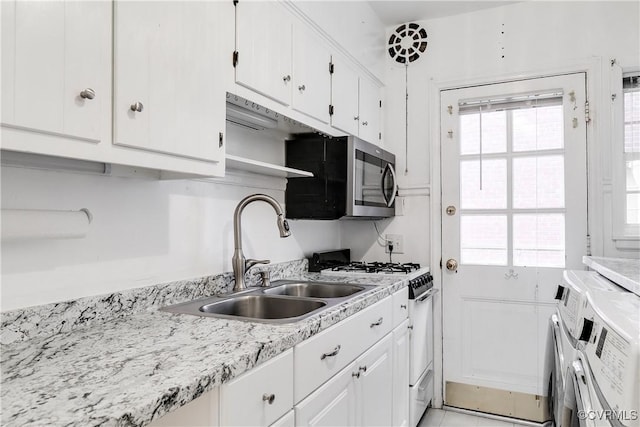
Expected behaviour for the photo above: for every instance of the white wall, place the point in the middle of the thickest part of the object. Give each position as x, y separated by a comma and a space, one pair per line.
527, 38
143, 232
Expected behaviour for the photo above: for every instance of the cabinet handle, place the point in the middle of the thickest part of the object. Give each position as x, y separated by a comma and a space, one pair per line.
403, 306
286, 78
356, 118
378, 323
88, 93
302, 88
269, 398
137, 107
333, 353
365, 123
355, 374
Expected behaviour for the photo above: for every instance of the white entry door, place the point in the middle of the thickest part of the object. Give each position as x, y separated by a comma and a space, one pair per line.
514, 216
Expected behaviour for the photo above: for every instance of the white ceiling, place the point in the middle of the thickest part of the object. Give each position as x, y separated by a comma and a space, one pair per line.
394, 12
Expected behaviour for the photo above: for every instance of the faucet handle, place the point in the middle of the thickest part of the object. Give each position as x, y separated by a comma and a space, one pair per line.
251, 262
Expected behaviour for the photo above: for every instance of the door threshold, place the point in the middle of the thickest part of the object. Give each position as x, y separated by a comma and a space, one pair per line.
517, 421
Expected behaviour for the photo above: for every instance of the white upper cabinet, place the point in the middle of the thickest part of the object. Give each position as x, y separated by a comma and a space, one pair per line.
344, 96
263, 46
369, 111
169, 96
311, 90
56, 78
356, 102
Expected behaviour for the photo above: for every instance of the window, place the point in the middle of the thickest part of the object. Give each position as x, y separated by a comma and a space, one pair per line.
631, 114
625, 158
512, 189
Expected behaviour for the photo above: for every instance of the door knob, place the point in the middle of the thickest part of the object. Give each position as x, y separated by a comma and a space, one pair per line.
452, 265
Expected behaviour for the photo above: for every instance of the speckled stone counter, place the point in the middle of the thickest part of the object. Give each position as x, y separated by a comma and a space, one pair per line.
133, 368
625, 272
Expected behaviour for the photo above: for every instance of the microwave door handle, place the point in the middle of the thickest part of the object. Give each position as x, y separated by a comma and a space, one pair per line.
392, 199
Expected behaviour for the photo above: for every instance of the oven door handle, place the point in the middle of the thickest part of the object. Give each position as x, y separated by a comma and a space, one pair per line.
431, 292
389, 201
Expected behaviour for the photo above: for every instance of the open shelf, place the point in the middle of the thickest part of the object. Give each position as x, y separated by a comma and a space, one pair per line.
256, 166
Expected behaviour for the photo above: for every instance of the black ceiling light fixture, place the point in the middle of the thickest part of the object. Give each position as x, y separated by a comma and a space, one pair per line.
406, 45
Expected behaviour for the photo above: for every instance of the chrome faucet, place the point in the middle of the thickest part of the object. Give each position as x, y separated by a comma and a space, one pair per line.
240, 264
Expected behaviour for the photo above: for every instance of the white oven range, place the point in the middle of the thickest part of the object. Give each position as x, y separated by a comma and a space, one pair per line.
420, 312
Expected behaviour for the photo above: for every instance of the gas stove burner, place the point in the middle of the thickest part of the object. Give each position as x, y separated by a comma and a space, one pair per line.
378, 267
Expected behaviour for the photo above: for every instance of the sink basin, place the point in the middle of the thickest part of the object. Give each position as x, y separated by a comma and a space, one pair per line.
263, 307
315, 289
286, 301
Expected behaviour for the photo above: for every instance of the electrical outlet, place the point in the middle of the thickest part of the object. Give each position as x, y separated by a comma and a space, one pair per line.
398, 243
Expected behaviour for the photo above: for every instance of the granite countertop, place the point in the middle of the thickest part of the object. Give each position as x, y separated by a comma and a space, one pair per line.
625, 272
129, 370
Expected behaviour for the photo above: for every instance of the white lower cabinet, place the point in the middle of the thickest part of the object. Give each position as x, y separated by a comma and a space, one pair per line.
202, 411
333, 404
261, 396
355, 373
289, 420
357, 396
401, 374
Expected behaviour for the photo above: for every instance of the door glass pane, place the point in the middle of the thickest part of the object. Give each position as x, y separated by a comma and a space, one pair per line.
538, 182
494, 133
538, 240
483, 239
538, 129
493, 194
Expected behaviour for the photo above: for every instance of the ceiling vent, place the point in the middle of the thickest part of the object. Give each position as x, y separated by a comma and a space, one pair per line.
407, 43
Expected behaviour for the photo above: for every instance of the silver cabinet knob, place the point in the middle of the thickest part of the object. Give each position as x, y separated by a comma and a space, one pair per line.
452, 265
137, 107
403, 306
269, 398
88, 93
355, 374
356, 118
365, 123
286, 78
301, 88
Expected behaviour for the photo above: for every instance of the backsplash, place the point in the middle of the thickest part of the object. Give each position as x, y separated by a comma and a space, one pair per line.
50, 319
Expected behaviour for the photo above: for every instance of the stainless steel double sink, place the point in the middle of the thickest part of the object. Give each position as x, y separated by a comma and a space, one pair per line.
285, 301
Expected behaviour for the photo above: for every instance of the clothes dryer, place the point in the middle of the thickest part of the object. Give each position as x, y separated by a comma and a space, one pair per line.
603, 382
564, 328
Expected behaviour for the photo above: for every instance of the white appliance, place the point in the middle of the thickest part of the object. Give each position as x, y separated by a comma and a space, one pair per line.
565, 327
603, 382
420, 312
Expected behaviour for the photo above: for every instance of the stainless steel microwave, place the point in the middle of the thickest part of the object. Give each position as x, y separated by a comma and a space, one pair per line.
351, 179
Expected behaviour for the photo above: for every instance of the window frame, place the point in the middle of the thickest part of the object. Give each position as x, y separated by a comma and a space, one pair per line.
625, 236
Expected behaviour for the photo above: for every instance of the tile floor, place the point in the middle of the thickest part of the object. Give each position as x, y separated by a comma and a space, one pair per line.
442, 418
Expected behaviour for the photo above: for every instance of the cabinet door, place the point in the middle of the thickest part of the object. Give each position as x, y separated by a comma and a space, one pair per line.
375, 396
263, 43
56, 62
311, 92
333, 404
344, 96
289, 420
260, 396
169, 96
401, 375
202, 411
369, 108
